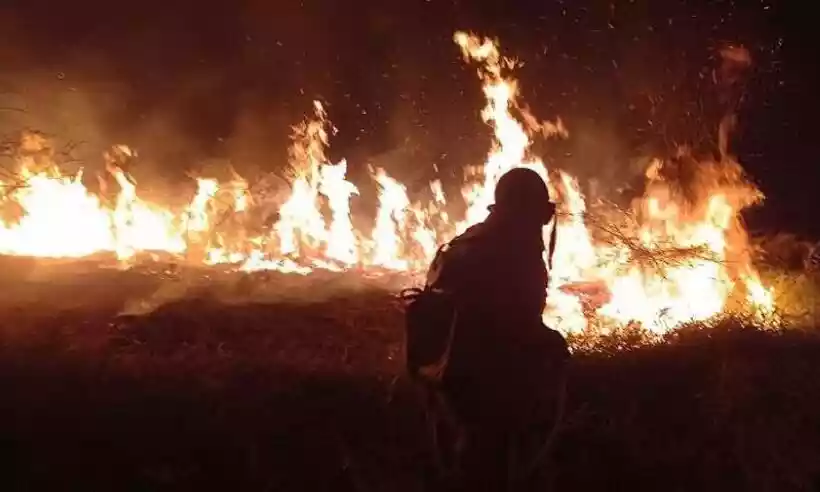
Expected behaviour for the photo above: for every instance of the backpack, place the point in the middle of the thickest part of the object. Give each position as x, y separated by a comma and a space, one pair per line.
430, 320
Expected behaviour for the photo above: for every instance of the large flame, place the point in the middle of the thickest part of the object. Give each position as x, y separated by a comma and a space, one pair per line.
678, 254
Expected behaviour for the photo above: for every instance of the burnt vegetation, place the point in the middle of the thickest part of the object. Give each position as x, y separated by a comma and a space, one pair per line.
210, 392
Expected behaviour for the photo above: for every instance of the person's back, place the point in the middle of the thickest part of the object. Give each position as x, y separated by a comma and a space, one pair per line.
503, 362
500, 296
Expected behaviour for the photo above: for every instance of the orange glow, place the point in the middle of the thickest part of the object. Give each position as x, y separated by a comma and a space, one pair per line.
598, 279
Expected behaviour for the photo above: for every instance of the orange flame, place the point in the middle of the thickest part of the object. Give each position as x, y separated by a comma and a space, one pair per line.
602, 276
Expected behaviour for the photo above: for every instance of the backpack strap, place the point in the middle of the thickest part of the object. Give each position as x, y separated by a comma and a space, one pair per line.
551, 250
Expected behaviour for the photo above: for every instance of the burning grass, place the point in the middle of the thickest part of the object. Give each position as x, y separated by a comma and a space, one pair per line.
677, 252
224, 388
256, 352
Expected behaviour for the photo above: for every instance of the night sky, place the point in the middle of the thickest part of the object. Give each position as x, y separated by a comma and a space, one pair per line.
184, 82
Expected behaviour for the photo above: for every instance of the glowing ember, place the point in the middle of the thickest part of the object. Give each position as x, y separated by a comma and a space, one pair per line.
678, 254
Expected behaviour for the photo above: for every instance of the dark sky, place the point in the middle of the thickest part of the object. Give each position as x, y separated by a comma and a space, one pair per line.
187, 81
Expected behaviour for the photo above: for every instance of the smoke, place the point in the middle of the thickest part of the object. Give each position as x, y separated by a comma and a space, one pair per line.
223, 91
264, 287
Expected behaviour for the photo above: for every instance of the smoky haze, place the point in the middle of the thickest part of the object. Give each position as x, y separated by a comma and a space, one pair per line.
196, 86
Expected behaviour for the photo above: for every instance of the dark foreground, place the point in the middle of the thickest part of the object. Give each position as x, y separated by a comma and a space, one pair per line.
301, 396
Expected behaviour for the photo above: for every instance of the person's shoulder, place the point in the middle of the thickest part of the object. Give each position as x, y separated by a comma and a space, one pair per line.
459, 250
473, 234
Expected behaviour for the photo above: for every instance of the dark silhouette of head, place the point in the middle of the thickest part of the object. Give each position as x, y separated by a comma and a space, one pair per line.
521, 195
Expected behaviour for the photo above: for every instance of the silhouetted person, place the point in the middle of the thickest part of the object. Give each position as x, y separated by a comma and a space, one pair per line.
505, 366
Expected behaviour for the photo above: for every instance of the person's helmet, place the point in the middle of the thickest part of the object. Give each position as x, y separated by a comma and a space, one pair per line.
522, 193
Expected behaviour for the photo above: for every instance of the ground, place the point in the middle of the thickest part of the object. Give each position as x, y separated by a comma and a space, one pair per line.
294, 384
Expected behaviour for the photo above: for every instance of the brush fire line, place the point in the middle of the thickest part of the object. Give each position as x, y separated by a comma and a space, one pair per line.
671, 258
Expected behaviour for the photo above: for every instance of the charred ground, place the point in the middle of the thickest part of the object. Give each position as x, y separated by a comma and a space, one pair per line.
207, 392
